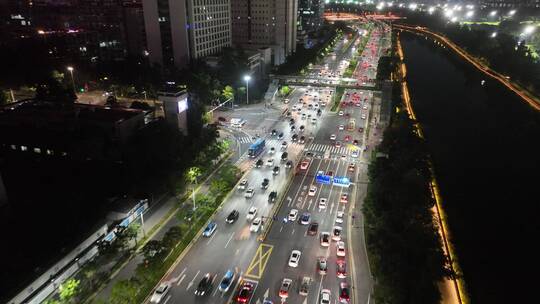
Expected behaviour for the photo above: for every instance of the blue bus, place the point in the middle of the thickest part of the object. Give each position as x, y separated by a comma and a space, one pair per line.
256, 148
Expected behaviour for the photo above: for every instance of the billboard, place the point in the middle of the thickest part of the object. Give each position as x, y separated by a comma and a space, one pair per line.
182, 105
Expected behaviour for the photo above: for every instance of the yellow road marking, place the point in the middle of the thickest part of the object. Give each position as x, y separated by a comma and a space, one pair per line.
258, 263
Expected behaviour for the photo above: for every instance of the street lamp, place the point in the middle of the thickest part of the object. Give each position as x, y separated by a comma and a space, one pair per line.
70, 69
247, 78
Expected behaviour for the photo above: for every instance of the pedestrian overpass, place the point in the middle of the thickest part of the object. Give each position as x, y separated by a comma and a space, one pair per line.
321, 81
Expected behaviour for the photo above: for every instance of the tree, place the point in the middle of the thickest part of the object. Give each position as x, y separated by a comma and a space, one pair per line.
227, 93
152, 249
124, 292
285, 91
172, 236
69, 289
3, 97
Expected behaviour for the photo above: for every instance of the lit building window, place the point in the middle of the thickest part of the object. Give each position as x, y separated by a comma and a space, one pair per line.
24, 148
37, 150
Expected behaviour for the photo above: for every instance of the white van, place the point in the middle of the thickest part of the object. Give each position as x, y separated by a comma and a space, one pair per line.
237, 122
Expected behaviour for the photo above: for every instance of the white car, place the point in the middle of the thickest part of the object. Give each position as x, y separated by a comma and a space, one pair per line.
243, 184
340, 248
251, 213
333, 137
354, 153
322, 203
160, 293
294, 258
325, 297
363, 116
255, 225
340, 113
312, 191
284, 145
293, 214
314, 121
339, 217
364, 107
341, 127
249, 193
270, 162
272, 151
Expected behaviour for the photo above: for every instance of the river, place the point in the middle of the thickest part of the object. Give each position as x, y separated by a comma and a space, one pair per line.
485, 145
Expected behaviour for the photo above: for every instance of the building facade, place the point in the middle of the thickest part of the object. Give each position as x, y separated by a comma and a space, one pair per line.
265, 23
511, 4
310, 15
180, 31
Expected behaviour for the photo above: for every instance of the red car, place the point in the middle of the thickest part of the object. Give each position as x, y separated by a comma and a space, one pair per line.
341, 269
338, 144
360, 130
344, 293
344, 198
347, 138
245, 292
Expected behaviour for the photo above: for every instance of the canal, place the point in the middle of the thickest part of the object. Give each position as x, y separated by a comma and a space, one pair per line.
485, 145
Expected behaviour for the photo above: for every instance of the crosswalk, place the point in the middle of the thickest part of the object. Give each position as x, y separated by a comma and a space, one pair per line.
245, 139
333, 150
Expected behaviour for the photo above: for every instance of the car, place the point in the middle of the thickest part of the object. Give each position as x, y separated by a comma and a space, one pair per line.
322, 265
274, 132
304, 286
364, 107
226, 281
284, 156
259, 163
314, 120
284, 289
363, 116
302, 128
270, 162
303, 116
251, 213
245, 292
355, 142
232, 217
293, 214
341, 127
160, 293
336, 233
280, 135
325, 239
275, 171
304, 164
324, 297
330, 173
255, 225
294, 138
339, 217
344, 198
340, 113
322, 203
340, 249
285, 100
209, 230
312, 190
313, 228
289, 164
294, 259
354, 153
360, 129
265, 182
293, 127
305, 218
272, 196
333, 137
205, 285
272, 151
341, 269
284, 146
249, 193
351, 167
243, 184
344, 293
346, 138
302, 139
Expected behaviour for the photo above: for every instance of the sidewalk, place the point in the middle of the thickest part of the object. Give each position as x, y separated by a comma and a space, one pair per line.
162, 215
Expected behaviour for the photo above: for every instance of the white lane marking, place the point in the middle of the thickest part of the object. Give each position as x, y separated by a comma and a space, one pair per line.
181, 273
181, 279
227, 244
193, 280
167, 299
281, 228
322, 221
237, 251
211, 238
292, 231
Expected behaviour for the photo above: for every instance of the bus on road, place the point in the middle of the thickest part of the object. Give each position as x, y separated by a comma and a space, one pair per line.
256, 148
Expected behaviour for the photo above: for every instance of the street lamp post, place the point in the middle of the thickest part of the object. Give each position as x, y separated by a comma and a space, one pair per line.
247, 78
70, 69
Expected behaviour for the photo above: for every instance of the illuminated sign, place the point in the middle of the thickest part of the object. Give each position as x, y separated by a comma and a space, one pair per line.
182, 105
341, 181
323, 179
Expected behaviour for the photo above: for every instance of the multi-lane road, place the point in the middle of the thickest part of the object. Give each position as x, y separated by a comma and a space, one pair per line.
264, 263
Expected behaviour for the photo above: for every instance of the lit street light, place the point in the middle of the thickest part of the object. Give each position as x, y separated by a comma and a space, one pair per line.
493, 13
247, 78
70, 69
529, 29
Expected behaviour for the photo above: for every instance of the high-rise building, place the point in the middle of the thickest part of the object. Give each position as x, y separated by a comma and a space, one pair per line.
511, 4
180, 31
310, 14
265, 23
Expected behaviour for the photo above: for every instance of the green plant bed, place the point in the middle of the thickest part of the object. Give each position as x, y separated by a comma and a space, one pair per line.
337, 100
